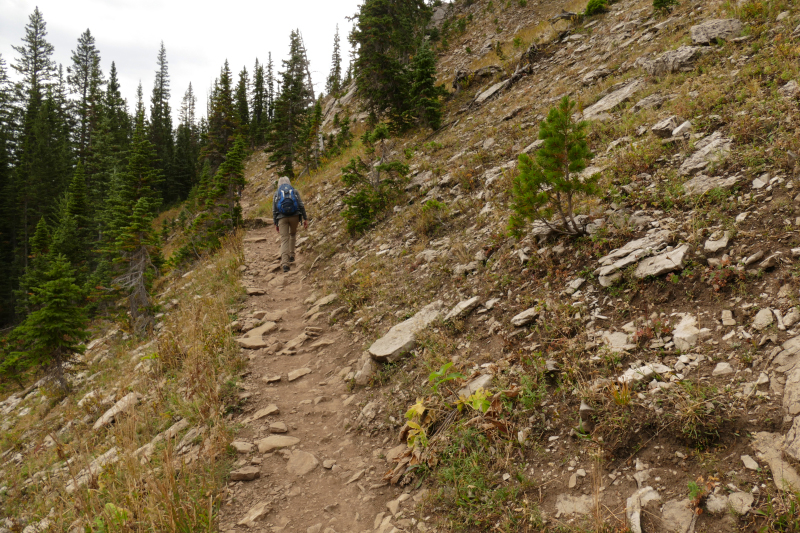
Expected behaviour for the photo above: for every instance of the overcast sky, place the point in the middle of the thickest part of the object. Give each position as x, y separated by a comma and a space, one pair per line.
198, 35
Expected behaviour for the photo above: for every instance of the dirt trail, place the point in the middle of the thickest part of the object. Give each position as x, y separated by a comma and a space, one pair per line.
344, 491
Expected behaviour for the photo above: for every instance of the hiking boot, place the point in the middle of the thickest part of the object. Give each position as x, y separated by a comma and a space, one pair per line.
286, 268
291, 259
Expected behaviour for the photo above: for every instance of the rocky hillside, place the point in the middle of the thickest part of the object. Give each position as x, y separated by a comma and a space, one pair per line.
634, 377
644, 377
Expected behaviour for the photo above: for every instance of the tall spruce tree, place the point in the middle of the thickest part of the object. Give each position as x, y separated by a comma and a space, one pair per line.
243, 104
187, 148
387, 34
334, 83
7, 196
259, 118
35, 63
270, 89
425, 104
85, 79
222, 120
291, 107
160, 130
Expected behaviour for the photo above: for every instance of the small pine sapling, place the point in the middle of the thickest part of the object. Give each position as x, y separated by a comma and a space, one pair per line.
54, 333
546, 189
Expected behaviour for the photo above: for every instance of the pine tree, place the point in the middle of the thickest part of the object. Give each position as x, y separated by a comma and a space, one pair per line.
53, 334
259, 118
160, 128
137, 246
222, 123
270, 89
35, 63
85, 78
187, 149
227, 186
291, 107
242, 103
334, 83
73, 231
546, 190
425, 105
7, 203
387, 34
310, 145
38, 263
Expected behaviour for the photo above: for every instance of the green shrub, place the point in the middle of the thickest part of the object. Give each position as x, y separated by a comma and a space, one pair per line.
374, 182
664, 5
595, 7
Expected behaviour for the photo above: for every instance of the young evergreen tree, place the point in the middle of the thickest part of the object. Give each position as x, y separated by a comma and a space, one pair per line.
425, 105
259, 118
310, 139
53, 334
334, 83
160, 130
85, 78
291, 107
546, 190
38, 263
243, 104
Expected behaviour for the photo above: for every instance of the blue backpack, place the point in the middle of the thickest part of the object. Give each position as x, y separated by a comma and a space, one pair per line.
287, 200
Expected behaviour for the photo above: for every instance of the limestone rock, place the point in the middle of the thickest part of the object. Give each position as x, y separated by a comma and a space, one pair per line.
278, 427
526, 317
722, 369
633, 508
763, 319
271, 409
644, 372
297, 374
791, 392
663, 263
678, 516
713, 148
256, 513
463, 308
612, 100
727, 318
749, 463
683, 129
402, 338
678, 60
567, 504
242, 447
481, 382
741, 502
664, 128
275, 442
790, 90
254, 339
792, 317
125, 404
701, 183
248, 473
686, 333
491, 91
711, 30
792, 444
714, 246
769, 449
301, 463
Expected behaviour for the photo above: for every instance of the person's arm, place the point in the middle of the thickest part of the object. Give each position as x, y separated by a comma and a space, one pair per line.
302, 206
275, 210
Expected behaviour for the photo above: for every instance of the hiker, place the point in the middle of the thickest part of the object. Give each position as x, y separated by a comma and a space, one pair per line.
287, 212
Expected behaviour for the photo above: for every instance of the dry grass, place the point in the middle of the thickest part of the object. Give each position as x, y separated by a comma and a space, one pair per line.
190, 369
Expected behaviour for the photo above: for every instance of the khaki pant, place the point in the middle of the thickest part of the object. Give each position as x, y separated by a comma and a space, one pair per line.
288, 228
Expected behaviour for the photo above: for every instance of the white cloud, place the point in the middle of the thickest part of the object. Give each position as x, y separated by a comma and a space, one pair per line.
199, 36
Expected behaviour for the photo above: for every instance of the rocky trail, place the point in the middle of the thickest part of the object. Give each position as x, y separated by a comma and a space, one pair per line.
300, 467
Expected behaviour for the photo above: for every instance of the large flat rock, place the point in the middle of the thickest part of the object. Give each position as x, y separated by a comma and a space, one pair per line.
679, 60
301, 463
275, 442
464, 308
769, 447
711, 30
402, 338
612, 100
712, 149
662, 263
126, 403
491, 91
